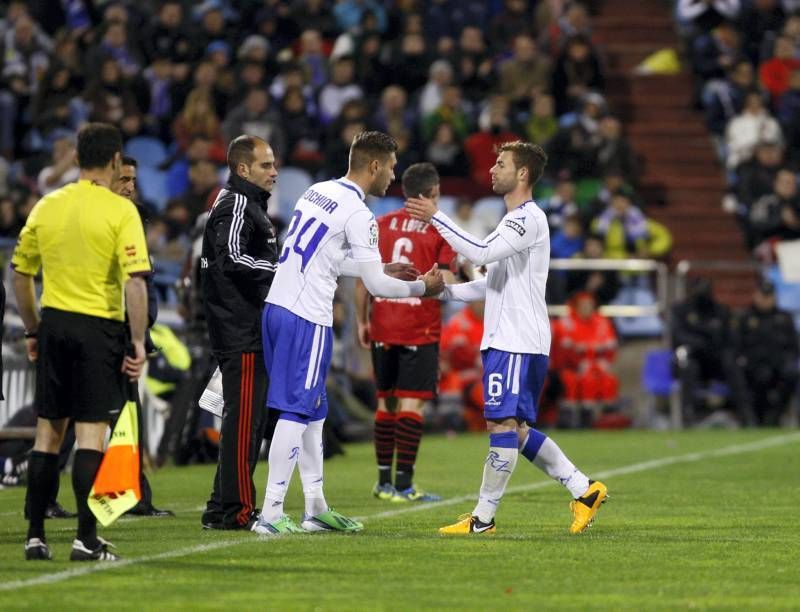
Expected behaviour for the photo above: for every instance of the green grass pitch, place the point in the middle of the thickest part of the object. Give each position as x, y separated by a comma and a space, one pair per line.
696, 520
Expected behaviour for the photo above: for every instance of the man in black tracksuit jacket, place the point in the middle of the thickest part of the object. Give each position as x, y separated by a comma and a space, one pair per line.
238, 262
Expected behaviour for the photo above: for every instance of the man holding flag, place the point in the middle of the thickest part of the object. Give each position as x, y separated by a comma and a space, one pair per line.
90, 244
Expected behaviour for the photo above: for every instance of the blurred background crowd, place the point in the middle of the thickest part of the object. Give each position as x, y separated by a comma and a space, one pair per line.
449, 79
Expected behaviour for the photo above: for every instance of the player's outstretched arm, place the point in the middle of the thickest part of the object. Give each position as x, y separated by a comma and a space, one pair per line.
508, 238
472, 291
381, 285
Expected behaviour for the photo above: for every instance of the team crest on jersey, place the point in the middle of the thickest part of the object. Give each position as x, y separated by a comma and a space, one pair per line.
373, 234
514, 225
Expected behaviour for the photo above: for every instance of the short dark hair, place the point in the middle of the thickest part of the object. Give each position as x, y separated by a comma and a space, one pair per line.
127, 160
419, 179
368, 146
240, 151
98, 143
526, 155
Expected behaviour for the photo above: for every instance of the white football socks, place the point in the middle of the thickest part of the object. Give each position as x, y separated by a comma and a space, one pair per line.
287, 442
310, 467
552, 461
497, 471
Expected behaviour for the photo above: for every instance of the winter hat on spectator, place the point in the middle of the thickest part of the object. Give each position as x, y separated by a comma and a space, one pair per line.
218, 46
252, 43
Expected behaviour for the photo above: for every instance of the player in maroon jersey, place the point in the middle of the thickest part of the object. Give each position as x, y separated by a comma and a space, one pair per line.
403, 335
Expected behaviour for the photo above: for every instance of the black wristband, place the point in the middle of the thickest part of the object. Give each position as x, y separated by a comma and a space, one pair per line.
30, 334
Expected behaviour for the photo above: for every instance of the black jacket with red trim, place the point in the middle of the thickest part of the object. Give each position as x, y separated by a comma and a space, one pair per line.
238, 262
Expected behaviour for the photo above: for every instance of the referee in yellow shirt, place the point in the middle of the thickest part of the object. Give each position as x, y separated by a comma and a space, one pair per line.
90, 244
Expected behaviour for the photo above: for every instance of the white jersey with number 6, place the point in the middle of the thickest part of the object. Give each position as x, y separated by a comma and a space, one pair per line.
330, 222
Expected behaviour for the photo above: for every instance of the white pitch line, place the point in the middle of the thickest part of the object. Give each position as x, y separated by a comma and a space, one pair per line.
734, 449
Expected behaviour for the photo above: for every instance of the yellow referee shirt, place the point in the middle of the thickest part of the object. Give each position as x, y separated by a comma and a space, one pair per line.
89, 241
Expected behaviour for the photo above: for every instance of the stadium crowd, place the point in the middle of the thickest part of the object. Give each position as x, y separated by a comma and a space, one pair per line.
448, 79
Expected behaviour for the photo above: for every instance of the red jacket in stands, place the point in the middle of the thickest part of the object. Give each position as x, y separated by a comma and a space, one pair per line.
409, 321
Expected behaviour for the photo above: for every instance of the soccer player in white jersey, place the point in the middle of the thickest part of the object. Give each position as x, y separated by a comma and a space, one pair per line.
516, 338
331, 233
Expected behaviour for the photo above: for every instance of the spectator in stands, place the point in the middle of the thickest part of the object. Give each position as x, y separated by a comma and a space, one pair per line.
315, 14
542, 124
349, 13
303, 140
755, 177
199, 119
527, 72
700, 16
166, 36
254, 117
788, 104
480, 146
576, 73
64, 168
203, 188
116, 45
560, 23
774, 72
56, 107
394, 110
451, 110
111, 99
749, 127
584, 350
370, 68
10, 221
567, 241
512, 21
446, 152
776, 214
614, 152
714, 53
613, 181
473, 64
341, 89
724, 98
562, 203
628, 233
312, 58
440, 77
574, 147
701, 339
759, 19
409, 61
603, 284
766, 357
337, 149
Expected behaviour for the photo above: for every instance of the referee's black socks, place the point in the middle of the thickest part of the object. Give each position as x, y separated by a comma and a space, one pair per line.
42, 482
84, 469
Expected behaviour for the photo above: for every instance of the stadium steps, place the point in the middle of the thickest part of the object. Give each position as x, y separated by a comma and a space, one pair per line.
681, 182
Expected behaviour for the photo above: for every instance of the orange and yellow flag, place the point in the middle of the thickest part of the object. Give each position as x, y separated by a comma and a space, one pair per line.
116, 487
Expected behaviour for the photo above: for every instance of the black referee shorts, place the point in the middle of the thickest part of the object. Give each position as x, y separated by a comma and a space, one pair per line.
78, 369
406, 371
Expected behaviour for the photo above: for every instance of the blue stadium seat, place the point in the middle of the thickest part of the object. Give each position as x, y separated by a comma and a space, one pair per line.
490, 209
292, 183
657, 376
152, 185
382, 206
146, 150
447, 204
637, 327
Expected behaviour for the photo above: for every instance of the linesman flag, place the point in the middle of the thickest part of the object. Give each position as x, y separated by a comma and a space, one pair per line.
116, 487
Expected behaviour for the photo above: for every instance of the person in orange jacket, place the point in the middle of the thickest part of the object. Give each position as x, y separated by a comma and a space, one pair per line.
586, 346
